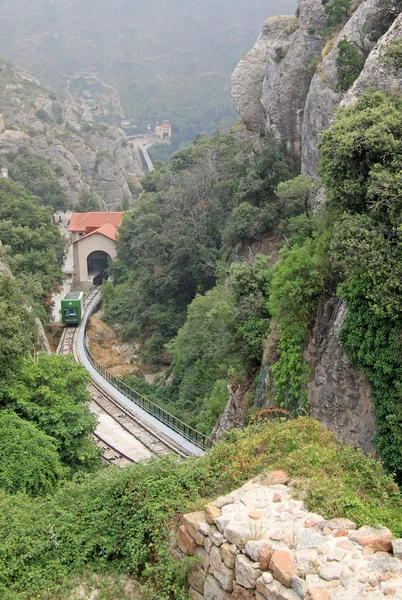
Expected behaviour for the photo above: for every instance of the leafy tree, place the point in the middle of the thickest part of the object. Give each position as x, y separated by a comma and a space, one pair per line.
87, 203
38, 177
32, 244
361, 156
297, 194
16, 327
363, 249
349, 63
29, 461
337, 12
223, 336
51, 391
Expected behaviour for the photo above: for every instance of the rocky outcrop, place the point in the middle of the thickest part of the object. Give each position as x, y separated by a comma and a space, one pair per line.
248, 77
272, 96
86, 157
324, 95
379, 73
259, 543
339, 394
285, 98
287, 77
235, 413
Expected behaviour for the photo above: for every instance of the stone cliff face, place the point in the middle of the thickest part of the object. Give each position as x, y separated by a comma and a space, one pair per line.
247, 79
272, 95
274, 87
324, 95
377, 72
339, 394
284, 97
86, 157
287, 77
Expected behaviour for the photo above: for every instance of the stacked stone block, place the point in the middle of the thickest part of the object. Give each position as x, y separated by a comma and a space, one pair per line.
259, 543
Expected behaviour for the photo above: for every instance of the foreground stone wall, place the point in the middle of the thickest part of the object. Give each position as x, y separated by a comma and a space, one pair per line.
258, 542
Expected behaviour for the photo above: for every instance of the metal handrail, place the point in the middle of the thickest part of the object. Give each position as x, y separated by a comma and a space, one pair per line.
189, 433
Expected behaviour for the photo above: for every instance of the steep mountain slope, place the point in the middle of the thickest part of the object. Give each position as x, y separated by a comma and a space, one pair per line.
362, 53
87, 158
159, 55
296, 88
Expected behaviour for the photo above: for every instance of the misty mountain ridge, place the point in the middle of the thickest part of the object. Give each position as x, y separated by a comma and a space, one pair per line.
149, 61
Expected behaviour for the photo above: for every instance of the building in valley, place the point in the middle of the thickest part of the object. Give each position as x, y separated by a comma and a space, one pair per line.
93, 235
164, 131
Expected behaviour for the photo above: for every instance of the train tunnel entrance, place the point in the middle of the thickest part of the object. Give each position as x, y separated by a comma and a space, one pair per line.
97, 262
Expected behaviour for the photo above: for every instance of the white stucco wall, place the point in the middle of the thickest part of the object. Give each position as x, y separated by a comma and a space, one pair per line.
83, 248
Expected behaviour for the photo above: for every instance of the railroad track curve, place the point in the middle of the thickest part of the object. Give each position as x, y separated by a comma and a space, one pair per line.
124, 437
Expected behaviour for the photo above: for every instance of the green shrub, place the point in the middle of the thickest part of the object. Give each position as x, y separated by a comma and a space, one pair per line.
29, 461
361, 156
391, 55
299, 279
349, 64
337, 12
43, 115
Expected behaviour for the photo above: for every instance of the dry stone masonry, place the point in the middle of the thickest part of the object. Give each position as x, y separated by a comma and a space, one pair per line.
260, 543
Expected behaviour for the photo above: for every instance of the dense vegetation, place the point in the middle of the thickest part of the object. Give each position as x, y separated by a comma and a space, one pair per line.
362, 181
208, 198
191, 235
121, 521
32, 246
38, 177
44, 418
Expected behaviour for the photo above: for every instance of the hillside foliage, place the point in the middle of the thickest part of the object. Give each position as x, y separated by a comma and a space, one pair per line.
32, 246
38, 177
215, 194
187, 278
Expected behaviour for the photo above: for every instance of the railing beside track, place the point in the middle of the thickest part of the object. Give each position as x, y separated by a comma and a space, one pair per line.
189, 433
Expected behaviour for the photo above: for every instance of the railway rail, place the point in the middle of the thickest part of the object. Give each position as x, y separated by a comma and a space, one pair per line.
149, 441
156, 443
112, 456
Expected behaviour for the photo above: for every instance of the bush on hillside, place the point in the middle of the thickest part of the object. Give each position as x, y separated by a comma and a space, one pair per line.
29, 461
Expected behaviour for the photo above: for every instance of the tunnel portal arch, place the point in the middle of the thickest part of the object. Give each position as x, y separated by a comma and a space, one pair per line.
97, 261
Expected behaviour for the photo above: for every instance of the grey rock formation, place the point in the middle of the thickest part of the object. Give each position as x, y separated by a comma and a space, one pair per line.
324, 96
234, 414
248, 77
378, 73
88, 158
287, 77
339, 394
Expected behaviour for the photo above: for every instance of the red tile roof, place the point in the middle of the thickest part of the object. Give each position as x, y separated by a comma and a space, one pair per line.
83, 221
108, 230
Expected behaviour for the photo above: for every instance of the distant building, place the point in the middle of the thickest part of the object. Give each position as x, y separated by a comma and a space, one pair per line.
93, 235
164, 131
3, 173
125, 123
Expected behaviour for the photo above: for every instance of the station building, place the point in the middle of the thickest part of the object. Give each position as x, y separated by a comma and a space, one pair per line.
93, 235
164, 131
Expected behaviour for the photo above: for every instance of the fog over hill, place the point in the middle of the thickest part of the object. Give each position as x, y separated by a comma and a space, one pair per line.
162, 58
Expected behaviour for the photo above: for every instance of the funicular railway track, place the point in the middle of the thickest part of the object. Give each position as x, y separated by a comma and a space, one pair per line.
124, 437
